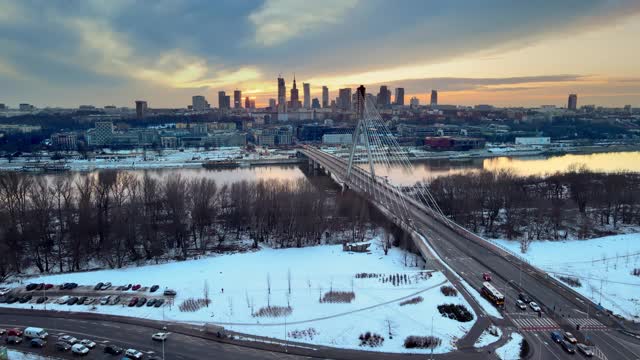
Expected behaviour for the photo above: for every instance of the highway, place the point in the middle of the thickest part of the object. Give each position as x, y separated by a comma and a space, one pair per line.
470, 256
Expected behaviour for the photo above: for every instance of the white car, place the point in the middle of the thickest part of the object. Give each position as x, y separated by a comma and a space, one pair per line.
586, 350
68, 339
63, 299
534, 306
88, 343
521, 305
4, 291
161, 336
134, 354
79, 349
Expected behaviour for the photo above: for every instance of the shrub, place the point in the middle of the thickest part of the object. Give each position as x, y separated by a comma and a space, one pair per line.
191, 304
273, 311
366, 275
448, 290
422, 342
575, 282
338, 297
370, 339
524, 348
457, 312
413, 300
303, 334
636, 272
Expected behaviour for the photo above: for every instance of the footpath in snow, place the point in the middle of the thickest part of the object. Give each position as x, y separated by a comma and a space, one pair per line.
604, 267
240, 285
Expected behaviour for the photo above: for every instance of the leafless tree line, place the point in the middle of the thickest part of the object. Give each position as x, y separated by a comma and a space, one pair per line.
71, 222
579, 203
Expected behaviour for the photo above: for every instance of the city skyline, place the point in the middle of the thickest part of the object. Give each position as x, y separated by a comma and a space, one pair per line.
515, 55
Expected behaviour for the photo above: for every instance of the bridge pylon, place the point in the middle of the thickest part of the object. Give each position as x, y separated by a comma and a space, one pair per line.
361, 133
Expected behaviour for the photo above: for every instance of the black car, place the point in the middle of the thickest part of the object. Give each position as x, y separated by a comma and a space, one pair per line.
62, 346
81, 300
12, 299
25, 299
113, 350
151, 302
32, 286
154, 288
72, 300
40, 287
568, 347
170, 292
13, 340
141, 302
524, 297
38, 343
158, 303
128, 287
42, 299
69, 286
98, 286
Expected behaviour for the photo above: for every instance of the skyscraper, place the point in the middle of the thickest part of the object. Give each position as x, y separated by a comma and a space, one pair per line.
325, 97
306, 88
384, 96
434, 97
573, 102
199, 103
247, 103
237, 99
399, 96
282, 95
295, 102
344, 99
141, 108
272, 104
315, 103
224, 101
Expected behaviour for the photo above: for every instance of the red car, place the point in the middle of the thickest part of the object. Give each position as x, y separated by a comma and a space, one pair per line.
133, 302
14, 332
48, 286
486, 276
136, 287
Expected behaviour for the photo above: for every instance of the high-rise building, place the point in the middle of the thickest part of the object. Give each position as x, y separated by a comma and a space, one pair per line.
315, 103
199, 103
252, 103
141, 108
294, 102
306, 88
414, 102
102, 134
272, 104
434, 97
224, 101
573, 102
247, 103
384, 96
325, 97
399, 96
237, 99
344, 99
282, 95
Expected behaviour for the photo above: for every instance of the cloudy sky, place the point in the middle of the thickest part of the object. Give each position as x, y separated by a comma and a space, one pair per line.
502, 52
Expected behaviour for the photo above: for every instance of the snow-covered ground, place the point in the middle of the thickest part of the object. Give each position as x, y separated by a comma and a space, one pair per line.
17, 355
487, 338
314, 271
604, 266
510, 350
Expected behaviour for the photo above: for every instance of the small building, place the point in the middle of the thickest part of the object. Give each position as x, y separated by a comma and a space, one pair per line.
64, 141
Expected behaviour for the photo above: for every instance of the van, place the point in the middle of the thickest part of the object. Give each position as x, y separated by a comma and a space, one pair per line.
35, 333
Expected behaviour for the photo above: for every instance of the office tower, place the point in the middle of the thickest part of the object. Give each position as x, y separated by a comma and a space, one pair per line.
315, 103
573, 102
384, 96
295, 102
237, 99
306, 89
344, 99
252, 103
282, 95
141, 108
247, 103
224, 100
272, 104
199, 103
434, 97
399, 96
325, 97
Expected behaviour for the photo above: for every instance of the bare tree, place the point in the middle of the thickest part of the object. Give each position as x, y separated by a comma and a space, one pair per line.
206, 292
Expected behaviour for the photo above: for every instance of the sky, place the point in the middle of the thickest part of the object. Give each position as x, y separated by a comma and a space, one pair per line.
500, 52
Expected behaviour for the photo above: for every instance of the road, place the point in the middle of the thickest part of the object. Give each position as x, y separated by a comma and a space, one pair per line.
470, 256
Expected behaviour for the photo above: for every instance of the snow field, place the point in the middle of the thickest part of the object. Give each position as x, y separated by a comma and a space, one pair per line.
510, 350
238, 288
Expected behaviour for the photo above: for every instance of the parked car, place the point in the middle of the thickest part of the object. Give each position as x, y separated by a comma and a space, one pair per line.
12, 299
68, 286
63, 299
115, 300
570, 338
520, 304
79, 349
40, 287
141, 302
72, 300
37, 343
486, 276
14, 332
151, 302
128, 287
105, 300
88, 343
25, 298
62, 346
3, 331
136, 287
106, 286
568, 347
14, 340
585, 350
158, 303
81, 300
90, 301
41, 299
133, 354
534, 306
4, 291
120, 288
31, 286
161, 336
113, 350
154, 288
48, 286
35, 333
133, 302
98, 286
524, 297
170, 292
68, 339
